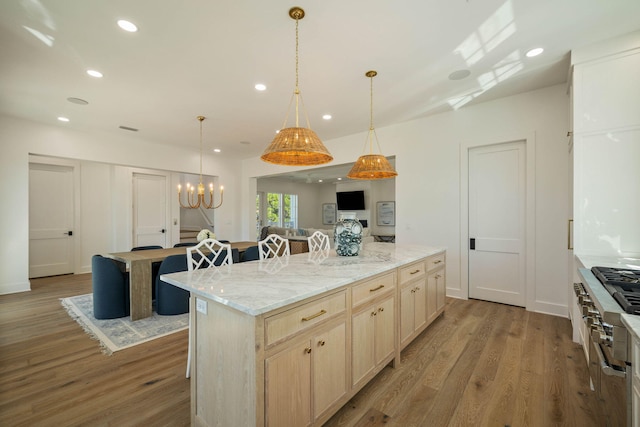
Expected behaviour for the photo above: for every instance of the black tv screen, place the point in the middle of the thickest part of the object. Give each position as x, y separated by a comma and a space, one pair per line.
350, 200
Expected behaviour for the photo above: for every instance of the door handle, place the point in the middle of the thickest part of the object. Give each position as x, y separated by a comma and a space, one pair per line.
472, 244
69, 233
162, 231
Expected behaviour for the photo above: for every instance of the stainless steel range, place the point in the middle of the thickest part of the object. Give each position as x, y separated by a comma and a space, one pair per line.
604, 294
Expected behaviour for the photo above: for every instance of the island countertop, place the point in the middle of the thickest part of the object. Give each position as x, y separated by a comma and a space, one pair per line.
258, 287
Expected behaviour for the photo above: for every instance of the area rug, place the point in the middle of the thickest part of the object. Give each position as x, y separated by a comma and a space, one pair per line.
118, 334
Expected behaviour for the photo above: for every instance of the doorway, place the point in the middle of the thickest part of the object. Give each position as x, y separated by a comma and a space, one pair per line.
51, 220
497, 182
498, 221
149, 210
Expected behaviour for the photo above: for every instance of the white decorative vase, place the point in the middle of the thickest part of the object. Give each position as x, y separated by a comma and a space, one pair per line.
348, 235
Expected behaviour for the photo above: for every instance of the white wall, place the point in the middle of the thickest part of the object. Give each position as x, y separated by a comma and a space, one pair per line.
107, 162
428, 185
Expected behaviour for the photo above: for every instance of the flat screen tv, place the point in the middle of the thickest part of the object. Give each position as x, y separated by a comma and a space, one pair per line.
350, 200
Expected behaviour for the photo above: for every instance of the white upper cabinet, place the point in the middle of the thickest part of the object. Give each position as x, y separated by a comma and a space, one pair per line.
606, 148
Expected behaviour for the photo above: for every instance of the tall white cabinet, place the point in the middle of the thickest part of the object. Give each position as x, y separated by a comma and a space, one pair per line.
606, 148
604, 154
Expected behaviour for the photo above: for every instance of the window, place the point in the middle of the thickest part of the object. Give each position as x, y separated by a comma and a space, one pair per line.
282, 210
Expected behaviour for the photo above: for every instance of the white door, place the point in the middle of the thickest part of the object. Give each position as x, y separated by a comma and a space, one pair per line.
497, 185
50, 220
149, 210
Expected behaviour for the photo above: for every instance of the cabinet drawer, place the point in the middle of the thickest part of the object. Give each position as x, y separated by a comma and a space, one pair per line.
297, 319
411, 272
435, 261
372, 288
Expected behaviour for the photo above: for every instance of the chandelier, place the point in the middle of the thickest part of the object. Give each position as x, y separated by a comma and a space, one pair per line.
296, 146
194, 200
372, 166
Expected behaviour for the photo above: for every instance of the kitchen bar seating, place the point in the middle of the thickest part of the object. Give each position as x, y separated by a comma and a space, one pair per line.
215, 254
273, 246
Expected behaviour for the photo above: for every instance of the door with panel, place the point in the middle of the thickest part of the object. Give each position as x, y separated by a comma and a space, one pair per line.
497, 196
150, 210
51, 220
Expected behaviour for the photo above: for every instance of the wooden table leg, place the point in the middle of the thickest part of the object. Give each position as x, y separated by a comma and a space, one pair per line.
140, 289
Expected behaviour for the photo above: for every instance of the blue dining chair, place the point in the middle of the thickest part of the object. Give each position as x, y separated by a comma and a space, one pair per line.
251, 254
184, 244
171, 300
110, 289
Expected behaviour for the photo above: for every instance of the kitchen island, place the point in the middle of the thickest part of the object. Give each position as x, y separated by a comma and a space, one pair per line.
287, 341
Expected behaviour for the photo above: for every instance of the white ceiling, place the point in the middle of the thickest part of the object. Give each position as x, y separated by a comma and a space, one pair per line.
203, 57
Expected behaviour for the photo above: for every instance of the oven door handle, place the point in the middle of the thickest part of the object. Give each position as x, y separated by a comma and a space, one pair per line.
604, 365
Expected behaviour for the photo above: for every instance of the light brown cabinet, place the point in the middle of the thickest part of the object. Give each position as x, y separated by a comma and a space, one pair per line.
373, 339
304, 379
372, 326
299, 363
436, 287
413, 301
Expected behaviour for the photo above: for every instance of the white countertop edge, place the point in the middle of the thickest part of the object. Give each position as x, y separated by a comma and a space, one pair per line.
632, 322
184, 280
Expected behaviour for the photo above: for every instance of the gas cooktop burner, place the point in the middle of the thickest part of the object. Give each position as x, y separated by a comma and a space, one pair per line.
623, 284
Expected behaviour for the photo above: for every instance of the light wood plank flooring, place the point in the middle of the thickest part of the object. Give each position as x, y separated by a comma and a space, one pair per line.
481, 364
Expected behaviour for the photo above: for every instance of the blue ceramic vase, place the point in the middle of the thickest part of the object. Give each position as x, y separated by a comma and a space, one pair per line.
348, 235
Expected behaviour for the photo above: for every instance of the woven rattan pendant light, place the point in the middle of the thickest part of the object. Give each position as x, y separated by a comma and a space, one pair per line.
296, 146
372, 166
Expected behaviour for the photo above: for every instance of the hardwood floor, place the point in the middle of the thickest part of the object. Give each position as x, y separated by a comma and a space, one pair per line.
481, 364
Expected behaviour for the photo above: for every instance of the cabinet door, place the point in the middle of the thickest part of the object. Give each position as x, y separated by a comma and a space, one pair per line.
407, 312
288, 387
441, 290
432, 295
329, 368
385, 329
420, 296
362, 338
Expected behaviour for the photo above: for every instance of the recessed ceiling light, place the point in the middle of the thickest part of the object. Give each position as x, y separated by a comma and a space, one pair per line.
327, 117
94, 73
260, 87
63, 119
278, 131
339, 179
534, 52
216, 150
77, 101
459, 74
319, 180
127, 26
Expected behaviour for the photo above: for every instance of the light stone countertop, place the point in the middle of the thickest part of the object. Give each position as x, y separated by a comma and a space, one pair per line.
589, 261
257, 287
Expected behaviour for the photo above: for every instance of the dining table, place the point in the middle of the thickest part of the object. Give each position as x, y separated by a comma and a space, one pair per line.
139, 265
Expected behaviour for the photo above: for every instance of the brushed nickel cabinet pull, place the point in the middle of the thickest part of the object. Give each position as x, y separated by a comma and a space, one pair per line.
321, 343
380, 309
307, 350
376, 289
437, 261
414, 272
313, 316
